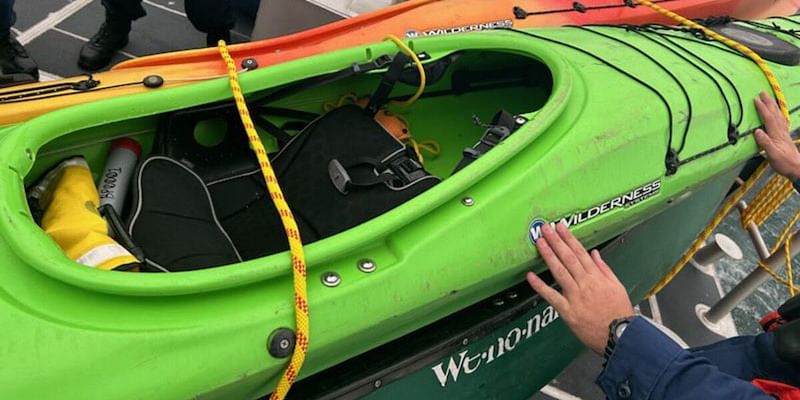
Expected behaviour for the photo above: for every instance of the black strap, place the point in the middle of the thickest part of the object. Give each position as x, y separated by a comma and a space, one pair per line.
321, 80
120, 232
286, 112
280, 133
502, 126
390, 78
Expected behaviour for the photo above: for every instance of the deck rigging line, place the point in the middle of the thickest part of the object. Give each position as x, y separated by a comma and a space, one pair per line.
57, 90
771, 205
521, 13
670, 152
667, 71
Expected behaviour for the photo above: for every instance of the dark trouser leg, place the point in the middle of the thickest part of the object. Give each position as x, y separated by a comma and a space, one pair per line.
7, 17
112, 35
213, 17
124, 9
13, 57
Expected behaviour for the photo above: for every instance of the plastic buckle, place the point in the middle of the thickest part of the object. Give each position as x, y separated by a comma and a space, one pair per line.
495, 135
471, 153
378, 63
339, 176
406, 169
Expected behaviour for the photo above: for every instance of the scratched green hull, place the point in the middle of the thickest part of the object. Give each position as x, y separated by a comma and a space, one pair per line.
593, 150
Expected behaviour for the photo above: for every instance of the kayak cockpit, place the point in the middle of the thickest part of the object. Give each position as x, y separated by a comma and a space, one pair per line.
469, 93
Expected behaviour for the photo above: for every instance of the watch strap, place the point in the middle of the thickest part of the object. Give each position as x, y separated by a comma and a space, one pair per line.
612, 337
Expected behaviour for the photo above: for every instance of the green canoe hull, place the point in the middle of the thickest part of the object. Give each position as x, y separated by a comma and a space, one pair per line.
593, 153
460, 357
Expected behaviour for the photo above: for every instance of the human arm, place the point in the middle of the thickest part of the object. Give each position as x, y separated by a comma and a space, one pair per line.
645, 363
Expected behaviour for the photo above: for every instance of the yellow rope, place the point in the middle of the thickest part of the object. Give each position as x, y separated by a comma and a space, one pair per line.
773, 274
789, 278
329, 106
431, 146
290, 226
785, 233
766, 201
728, 206
715, 221
422, 79
776, 87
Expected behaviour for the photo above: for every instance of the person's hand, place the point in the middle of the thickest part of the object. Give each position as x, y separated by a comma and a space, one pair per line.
591, 296
781, 152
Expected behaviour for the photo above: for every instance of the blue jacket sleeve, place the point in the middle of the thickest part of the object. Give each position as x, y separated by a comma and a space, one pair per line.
750, 357
646, 364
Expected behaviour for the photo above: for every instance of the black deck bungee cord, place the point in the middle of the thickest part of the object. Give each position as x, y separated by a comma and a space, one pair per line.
715, 69
782, 18
669, 162
82, 85
663, 68
521, 13
774, 27
732, 129
48, 94
672, 159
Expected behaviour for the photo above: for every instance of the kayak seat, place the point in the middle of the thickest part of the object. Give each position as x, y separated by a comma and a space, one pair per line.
197, 206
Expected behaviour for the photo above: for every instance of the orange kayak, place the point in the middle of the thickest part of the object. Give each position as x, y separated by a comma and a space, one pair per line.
418, 18
414, 18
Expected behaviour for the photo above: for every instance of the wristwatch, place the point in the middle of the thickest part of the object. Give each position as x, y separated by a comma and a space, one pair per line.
615, 330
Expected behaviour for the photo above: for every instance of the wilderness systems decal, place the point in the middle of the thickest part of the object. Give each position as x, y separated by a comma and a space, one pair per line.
626, 200
412, 33
466, 362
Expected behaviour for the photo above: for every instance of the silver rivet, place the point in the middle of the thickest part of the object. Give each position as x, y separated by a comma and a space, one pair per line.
498, 302
465, 342
29, 154
366, 265
511, 295
285, 344
521, 120
331, 279
468, 201
378, 384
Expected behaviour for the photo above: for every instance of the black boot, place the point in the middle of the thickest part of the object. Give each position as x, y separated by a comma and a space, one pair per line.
112, 36
213, 37
14, 59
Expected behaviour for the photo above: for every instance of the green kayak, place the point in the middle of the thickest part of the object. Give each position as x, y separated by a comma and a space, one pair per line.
631, 135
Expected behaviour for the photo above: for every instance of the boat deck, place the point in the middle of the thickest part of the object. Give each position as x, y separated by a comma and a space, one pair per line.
53, 31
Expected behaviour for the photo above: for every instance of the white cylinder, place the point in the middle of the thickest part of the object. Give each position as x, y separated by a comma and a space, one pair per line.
116, 178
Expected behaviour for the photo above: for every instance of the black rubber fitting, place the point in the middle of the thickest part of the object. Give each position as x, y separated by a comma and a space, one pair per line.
520, 13
672, 162
249, 63
153, 81
733, 135
281, 343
